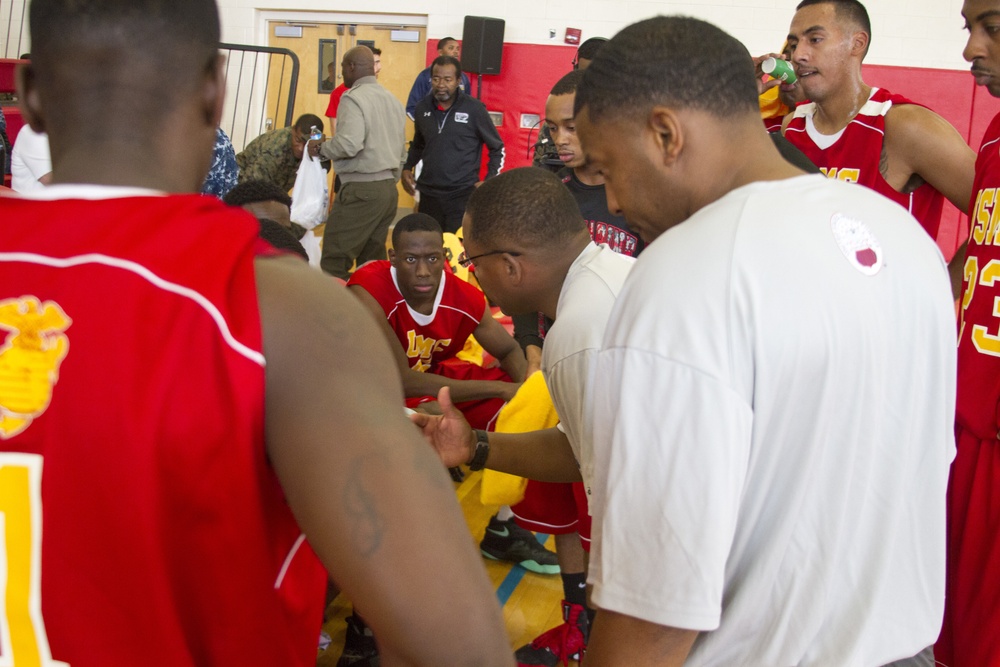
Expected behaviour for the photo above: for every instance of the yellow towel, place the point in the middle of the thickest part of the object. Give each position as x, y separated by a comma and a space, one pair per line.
531, 409
771, 105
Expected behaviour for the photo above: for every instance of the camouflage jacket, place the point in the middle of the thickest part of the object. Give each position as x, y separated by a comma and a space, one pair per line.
269, 158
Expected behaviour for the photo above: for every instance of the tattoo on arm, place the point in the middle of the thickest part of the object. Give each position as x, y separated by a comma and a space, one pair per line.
368, 525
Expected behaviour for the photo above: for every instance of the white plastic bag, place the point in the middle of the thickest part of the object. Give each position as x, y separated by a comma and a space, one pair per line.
313, 246
310, 194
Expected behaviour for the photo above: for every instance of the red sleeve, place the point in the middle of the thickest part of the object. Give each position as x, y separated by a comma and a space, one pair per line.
472, 298
374, 278
335, 95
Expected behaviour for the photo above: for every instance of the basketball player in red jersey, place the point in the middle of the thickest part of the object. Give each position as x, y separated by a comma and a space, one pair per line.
428, 314
865, 135
972, 602
150, 512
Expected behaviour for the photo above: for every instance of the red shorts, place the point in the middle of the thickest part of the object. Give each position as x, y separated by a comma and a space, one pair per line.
972, 599
556, 509
480, 414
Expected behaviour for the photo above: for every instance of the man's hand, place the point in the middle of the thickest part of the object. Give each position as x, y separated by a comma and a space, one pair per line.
409, 183
314, 145
449, 434
763, 87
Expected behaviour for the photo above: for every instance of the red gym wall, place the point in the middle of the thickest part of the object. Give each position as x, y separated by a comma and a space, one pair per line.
529, 71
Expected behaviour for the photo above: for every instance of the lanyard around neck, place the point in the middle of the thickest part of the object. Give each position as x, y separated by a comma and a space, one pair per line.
444, 120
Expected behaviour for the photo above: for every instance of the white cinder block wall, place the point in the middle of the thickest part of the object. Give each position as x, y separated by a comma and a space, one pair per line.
914, 33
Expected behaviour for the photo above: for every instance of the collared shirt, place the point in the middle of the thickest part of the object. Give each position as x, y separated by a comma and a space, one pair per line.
370, 135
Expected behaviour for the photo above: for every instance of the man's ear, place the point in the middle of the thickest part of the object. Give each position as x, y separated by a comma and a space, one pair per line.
392, 256
27, 93
859, 43
665, 128
513, 268
214, 90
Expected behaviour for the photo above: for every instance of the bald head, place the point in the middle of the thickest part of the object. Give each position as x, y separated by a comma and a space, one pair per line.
357, 63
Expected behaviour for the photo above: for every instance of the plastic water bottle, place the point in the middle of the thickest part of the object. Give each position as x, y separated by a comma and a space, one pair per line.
315, 134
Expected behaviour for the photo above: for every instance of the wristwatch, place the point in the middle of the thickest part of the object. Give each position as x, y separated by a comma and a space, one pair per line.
479, 456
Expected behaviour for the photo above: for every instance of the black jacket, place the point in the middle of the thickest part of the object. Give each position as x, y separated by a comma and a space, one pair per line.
451, 145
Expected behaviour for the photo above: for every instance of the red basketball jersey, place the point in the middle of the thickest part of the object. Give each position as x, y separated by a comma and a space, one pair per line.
144, 524
978, 409
854, 155
427, 339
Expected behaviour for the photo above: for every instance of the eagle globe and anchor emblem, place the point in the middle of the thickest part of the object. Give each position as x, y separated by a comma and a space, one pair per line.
34, 347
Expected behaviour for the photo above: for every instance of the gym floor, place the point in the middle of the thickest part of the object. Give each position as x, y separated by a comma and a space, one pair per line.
530, 601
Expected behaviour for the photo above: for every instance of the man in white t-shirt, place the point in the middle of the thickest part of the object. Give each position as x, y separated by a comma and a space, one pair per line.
773, 401
532, 253
30, 163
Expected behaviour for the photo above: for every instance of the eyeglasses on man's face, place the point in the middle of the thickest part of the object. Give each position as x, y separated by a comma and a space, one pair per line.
467, 261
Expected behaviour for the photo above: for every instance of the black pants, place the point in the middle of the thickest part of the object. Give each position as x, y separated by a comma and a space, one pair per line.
447, 209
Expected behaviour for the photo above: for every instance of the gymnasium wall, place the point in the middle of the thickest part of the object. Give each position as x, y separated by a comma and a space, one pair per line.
916, 50
912, 33
530, 70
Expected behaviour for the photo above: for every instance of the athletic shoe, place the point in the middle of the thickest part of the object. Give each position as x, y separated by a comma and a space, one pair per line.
560, 644
505, 540
359, 645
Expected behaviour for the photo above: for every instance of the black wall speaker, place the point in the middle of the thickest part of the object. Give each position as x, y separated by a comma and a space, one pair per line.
482, 44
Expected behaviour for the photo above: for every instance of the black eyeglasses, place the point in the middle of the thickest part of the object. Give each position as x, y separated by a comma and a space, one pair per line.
466, 261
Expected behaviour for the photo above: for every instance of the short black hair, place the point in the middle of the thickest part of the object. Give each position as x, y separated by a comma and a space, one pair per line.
442, 61
282, 239
529, 205
675, 61
568, 84
251, 192
119, 48
416, 222
851, 10
590, 47
376, 50
306, 121
443, 42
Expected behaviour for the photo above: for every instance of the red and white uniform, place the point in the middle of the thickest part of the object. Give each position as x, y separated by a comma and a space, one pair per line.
432, 342
427, 339
134, 482
853, 154
973, 594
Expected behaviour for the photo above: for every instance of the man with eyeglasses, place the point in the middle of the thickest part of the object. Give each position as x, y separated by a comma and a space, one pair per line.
450, 130
428, 314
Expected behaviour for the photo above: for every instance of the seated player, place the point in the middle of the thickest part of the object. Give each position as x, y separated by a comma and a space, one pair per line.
428, 314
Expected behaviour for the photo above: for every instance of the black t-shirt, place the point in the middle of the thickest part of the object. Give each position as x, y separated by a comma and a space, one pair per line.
604, 227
